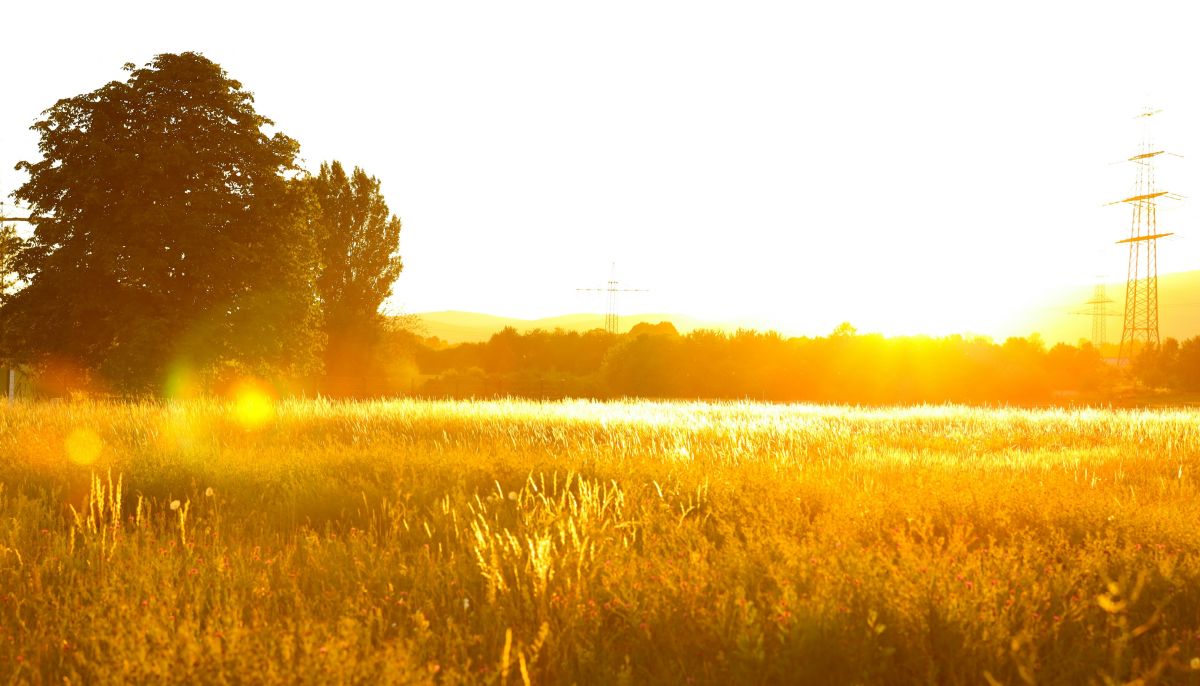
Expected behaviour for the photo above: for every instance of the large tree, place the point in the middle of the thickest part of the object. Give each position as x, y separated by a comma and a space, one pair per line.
10, 243
358, 240
169, 233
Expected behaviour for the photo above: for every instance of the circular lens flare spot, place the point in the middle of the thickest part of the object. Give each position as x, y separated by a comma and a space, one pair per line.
83, 446
183, 383
253, 406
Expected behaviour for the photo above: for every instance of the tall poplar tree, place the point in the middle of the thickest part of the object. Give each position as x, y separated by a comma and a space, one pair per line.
358, 239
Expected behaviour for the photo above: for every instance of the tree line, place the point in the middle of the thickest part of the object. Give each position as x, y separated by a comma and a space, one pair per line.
658, 362
844, 367
174, 233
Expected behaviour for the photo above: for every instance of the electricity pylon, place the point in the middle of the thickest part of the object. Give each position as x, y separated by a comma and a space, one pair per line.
611, 323
1098, 310
1140, 326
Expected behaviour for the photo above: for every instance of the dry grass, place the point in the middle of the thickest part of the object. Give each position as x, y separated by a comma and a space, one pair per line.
512, 542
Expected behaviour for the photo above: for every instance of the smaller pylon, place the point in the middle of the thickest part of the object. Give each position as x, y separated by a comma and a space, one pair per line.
611, 322
1098, 311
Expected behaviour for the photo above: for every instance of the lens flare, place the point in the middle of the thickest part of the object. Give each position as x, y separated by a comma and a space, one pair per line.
83, 446
183, 383
253, 405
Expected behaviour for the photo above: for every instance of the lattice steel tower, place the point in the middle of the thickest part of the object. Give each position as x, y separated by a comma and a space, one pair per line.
611, 320
1099, 312
1140, 328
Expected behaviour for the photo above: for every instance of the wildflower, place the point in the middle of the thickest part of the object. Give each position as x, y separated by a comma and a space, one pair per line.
174, 504
209, 493
1195, 664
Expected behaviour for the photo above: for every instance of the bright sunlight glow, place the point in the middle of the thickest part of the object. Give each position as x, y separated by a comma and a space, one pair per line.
83, 446
253, 406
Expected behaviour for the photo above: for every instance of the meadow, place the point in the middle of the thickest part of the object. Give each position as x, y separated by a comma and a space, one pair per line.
513, 542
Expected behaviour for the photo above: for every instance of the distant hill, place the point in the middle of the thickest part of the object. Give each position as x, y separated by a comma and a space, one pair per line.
1178, 305
468, 327
1053, 317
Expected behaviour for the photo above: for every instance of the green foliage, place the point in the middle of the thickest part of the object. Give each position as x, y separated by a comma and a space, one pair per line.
593, 543
656, 362
10, 244
358, 241
169, 234
1172, 365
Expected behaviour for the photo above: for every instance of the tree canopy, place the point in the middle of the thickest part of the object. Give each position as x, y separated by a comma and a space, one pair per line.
169, 233
358, 240
846, 367
10, 243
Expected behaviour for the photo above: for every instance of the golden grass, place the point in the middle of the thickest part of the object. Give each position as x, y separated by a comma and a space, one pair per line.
578, 542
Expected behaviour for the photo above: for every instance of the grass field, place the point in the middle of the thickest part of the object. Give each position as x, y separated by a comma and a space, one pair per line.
515, 542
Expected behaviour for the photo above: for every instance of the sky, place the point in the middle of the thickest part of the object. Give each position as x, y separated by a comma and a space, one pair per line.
914, 167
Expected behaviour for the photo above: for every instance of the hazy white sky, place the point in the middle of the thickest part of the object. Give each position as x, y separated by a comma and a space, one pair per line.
907, 166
